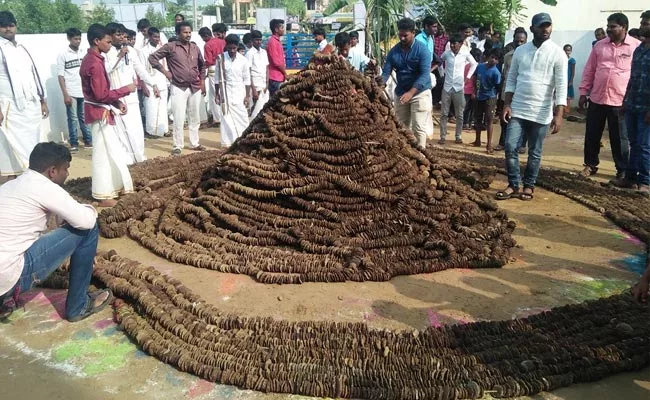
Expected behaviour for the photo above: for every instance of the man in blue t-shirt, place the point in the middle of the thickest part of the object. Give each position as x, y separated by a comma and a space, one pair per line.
488, 79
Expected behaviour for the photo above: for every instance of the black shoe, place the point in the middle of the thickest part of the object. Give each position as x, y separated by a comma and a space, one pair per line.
74, 149
88, 145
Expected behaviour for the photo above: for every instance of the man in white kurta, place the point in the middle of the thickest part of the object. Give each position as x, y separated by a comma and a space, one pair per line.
22, 101
123, 67
155, 107
233, 80
259, 62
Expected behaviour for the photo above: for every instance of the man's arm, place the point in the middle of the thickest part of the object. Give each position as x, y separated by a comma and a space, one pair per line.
472, 65
58, 201
210, 57
588, 74
141, 71
60, 68
155, 57
511, 82
201, 63
561, 86
101, 88
424, 78
275, 55
388, 67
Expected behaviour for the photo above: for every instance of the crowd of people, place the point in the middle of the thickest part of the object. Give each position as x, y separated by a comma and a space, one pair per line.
129, 84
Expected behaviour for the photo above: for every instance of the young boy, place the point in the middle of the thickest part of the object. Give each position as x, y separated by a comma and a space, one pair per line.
488, 79
599, 34
470, 93
319, 37
233, 88
68, 64
110, 175
568, 49
259, 62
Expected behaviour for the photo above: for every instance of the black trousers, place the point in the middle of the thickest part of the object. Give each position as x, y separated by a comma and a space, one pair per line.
597, 115
436, 92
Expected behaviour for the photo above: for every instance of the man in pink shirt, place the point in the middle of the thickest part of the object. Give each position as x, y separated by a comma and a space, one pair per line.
604, 80
275, 51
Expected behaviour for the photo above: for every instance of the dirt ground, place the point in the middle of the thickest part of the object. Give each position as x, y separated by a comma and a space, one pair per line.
565, 254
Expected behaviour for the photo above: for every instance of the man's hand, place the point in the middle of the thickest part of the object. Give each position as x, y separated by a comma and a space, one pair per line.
67, 100
640, 290
132, 87
123, 51
202, 88
473, 96
156, 91
123, 108
582, 102
406, 97
167, 74
45, 112
145, 91
506, 114
556, 124
217, 99
247, 101
255, 94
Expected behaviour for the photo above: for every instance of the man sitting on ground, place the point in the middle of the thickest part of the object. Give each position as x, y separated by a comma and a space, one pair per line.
27, 256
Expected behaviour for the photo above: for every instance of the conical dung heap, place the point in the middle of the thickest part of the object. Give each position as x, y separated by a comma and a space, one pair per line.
325, 186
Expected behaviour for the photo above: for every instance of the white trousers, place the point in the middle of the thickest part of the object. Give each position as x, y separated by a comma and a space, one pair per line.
156, 113
416, 115
234, 121
185, 101
110, 174
131, 124
262, 99
20, 132
214, 108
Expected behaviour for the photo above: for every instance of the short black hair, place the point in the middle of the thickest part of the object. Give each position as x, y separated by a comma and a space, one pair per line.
48, 154
619, 19
645, 15
354, 35
492, 53
567, 45
319, 31
7, 18
130, 33
599, 30
255, 34
182, 24
464, 27
482, 29
241, 46
522, 32
232, 39
96, 31
219, 27
406, 24
179, 15
248, 38
455, 38
634, 32
520, 29
143, 23
275, 23
152, 31
72, 32
205, 31
341, 39
113, 28
429, 20
476, 53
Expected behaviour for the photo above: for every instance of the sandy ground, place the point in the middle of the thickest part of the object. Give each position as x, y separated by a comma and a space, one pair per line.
565, 254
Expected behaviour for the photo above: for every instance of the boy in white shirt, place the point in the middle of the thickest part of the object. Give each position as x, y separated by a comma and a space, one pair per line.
155, 108
232, 86
27, 256
319, 37
259, 62
68, 64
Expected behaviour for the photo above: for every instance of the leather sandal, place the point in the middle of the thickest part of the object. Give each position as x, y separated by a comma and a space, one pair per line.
504, 195
90, 308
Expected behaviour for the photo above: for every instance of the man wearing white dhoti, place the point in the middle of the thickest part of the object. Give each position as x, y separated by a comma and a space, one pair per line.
124, 66
110, 175
22, 101
233, 86
155, 107
187, 76
259, 62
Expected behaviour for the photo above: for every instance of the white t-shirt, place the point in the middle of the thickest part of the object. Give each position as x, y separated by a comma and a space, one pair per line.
67, 66
258, 61
322, 44
25, 203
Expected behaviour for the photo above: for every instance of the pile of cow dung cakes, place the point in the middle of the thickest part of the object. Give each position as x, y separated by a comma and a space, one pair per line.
323, 186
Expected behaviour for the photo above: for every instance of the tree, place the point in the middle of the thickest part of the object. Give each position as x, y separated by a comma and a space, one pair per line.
70, 14
226, 11
452, 13
101, 14
156, 18
296, 8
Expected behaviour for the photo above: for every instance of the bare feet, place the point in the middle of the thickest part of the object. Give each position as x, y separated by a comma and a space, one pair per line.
107, 203
489, 150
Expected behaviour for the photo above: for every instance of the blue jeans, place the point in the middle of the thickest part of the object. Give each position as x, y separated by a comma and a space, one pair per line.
638, 131
75, 113
518, 129
274, 86
50, 251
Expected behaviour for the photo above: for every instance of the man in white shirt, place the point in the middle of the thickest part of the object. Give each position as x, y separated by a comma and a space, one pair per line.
319, 37
467, 37
259, 62
123, 67
28, 255
68, 64
536, 80
233, 86
454, 61
22, 101
156, 122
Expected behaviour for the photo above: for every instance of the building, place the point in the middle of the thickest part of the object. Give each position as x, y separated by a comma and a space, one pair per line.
584, 15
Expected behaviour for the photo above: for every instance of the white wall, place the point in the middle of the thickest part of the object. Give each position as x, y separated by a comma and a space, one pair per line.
578, 15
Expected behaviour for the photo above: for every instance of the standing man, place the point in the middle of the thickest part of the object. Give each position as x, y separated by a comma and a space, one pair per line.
440, 40
233, 85
426, 35
275, 51
110, 175
454, 61
22, 101
259, 63
68, 64
411, 61
536, 78
155, 108
637, 118
187, 74
467, 36
213, 48
604, 80
319, 37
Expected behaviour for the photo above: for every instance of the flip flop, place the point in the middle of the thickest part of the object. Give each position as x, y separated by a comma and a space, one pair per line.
527, 196
503, 195
90, 307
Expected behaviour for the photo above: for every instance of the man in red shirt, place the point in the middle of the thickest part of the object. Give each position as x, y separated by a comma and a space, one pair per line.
275, 51
213, 48
110, 174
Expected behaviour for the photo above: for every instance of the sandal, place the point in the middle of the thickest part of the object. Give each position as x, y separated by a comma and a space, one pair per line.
489, 150
527, 196
505, 195
90, 307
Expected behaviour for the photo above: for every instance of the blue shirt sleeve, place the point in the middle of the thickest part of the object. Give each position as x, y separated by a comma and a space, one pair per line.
388, 66
423, 80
